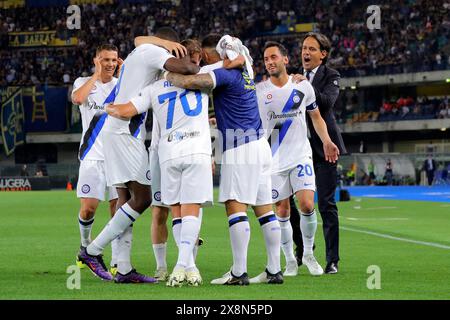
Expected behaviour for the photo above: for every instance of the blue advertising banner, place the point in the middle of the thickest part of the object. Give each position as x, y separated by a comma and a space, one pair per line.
45, 109
12, 118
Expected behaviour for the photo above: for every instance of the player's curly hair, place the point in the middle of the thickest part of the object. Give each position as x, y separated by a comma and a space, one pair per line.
192, 46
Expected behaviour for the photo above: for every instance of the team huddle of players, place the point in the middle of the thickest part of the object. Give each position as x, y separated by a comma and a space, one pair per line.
263, 150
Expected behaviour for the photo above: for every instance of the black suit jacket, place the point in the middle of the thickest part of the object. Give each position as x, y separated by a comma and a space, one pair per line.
326, 88
425, 165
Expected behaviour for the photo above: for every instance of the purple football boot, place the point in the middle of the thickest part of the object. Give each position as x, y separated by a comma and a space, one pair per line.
95, 264
133, 277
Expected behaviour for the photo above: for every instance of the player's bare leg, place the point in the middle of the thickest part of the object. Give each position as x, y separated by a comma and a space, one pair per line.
308, 227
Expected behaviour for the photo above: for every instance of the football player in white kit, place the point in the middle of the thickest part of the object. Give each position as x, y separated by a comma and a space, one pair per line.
89, 93
126, 157
246, 160
283, 105
160, 212
184, 151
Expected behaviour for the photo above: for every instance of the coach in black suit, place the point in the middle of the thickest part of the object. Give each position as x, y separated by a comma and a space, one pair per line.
315, 50
430, 166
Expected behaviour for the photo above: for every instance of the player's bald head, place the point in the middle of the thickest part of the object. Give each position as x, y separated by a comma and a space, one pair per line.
167, 33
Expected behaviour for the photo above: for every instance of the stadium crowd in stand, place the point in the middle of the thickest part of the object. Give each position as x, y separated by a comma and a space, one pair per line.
412, 40
403, 108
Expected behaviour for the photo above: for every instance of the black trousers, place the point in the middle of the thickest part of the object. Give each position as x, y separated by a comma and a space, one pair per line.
326, 183
430, 176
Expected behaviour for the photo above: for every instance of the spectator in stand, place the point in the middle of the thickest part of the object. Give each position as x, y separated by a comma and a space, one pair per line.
24, 171
419, 46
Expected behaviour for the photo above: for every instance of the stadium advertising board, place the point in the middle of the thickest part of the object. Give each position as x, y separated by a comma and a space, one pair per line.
24, 183
39, 39
7, 4
12, 120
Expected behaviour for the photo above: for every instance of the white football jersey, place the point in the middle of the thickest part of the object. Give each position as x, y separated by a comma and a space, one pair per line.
93, 117
141, 68
182, 117
283, 115
156, 134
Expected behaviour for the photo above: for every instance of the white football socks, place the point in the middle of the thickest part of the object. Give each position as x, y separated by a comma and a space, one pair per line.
85, 230
308, 226
160, 251
272, 236
287, 244
190, 227
123, 218
114, 252
240, 237
125, 241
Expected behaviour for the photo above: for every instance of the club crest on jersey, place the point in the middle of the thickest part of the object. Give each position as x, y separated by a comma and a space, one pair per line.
296, 99
275, 194
157, 196
148, 175
85, 188
269, 96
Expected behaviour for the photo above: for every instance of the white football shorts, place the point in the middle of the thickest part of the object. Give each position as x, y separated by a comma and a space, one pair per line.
288, 182
155, 173
126, 159
187, 179
92, 181
245, 174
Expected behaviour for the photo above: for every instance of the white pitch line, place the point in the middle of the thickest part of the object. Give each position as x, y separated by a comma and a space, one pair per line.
382, 235
376, 219
386, 236
379, 208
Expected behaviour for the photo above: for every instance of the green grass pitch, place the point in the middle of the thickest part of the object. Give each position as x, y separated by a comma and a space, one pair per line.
39, 239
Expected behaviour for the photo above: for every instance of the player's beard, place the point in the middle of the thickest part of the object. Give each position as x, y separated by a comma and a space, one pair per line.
276, 73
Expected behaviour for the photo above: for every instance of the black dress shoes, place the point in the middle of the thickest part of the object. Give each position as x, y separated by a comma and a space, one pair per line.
331, 268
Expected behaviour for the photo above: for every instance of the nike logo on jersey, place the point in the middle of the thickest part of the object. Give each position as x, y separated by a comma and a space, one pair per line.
307, 184
268, 102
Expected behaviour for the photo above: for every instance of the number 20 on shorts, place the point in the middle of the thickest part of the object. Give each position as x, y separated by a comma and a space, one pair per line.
304, 169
